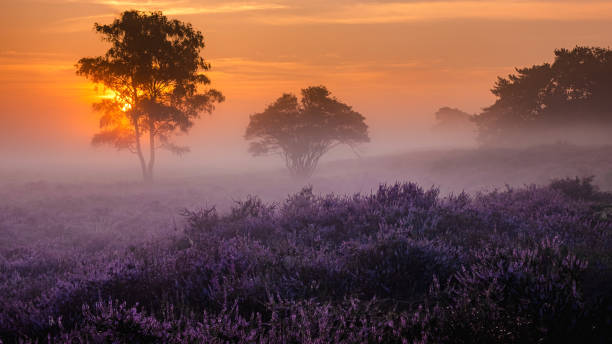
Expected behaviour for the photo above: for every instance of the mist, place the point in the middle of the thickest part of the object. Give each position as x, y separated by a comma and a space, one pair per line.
412, 152
347, 172
452, 162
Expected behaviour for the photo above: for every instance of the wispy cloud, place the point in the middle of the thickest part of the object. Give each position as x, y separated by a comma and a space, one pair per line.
34, 61
394, 12
13, 54
230, 8
82, 23
285, 12
36, 67
244, 70
186, 7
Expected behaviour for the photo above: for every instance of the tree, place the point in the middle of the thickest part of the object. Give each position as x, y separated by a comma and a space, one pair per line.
450, 119
454, 126
154, 72
574, 90
303, 131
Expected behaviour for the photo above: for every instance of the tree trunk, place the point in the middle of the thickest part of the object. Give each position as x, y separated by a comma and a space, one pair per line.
146, 176
151, 152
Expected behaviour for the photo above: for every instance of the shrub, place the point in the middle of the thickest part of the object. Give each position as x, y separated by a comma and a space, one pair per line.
401, 265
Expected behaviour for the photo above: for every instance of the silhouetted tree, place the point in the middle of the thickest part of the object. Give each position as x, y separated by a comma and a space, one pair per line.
575, 89
454, 126
154, 71
303, 131
449, 119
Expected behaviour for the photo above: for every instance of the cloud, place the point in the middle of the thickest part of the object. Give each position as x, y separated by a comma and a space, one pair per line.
36, 67
284, 12
33, 66
83, 23
238, 71
230, 8
395, 12
34, 61
20, 55
188, 7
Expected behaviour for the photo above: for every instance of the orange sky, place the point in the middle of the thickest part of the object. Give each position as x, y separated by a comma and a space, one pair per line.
395, 62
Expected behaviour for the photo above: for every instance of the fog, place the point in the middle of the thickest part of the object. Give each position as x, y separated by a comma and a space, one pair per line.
98, 193
402, 153
358, 171
74, 214
104, 178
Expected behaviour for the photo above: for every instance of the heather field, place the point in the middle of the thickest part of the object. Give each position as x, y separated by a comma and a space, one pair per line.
287, 172
392, 251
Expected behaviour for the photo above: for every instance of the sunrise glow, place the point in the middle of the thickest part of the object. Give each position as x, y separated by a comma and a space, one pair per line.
400, 60
305, 171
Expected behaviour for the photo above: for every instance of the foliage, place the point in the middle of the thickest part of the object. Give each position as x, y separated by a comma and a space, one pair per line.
302, 132
573, 90
579, 189
454, 126
153, 70
451, 118
400, 265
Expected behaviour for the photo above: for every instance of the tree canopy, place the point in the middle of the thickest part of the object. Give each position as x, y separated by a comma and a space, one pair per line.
302, 131
451, 118
454, 126
574, 89
155, 74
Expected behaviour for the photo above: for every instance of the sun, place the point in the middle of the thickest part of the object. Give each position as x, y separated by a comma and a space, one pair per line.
110, 94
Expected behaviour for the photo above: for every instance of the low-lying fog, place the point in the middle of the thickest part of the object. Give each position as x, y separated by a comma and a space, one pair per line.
93, 197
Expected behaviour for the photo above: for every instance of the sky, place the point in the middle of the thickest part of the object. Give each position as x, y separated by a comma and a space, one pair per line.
396, 62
